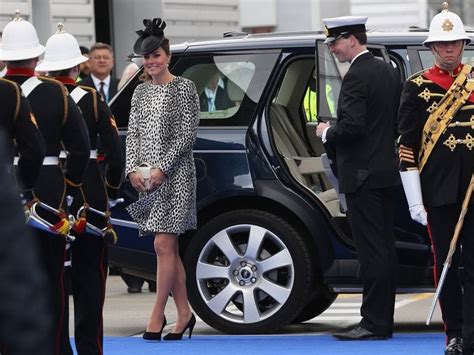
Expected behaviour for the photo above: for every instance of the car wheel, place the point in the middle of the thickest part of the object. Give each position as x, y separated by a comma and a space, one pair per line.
248, 271
322, 299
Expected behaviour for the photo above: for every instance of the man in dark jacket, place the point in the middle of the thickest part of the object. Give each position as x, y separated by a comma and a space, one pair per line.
61, 124
436, 166
101, 59
364, 144
89, 250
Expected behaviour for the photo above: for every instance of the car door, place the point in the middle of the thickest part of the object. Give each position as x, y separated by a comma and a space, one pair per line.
412, 243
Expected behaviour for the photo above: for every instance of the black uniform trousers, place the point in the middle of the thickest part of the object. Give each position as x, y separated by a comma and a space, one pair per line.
371, 215
457, 295
50, 188
88, 272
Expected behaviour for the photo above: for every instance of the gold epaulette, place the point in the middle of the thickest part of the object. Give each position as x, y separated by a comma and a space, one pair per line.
64, 91
418, 79
18, 95
94, 99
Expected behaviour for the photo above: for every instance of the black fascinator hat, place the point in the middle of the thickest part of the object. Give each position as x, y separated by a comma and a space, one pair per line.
151, 37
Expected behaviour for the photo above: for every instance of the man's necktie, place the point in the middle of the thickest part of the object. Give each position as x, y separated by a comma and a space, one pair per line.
101, 90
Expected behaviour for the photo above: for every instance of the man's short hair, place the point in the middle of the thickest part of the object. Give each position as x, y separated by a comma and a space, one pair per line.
101, 45
361, 37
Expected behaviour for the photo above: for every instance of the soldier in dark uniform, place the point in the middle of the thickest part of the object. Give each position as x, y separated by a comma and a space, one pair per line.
60, 123
19, 132
89, 250
364, 143
22, 134
436, 163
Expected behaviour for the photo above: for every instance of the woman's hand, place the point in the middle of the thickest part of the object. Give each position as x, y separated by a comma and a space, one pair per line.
137, 181
157, 177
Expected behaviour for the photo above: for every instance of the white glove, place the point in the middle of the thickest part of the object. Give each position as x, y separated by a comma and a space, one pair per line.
418, 214
412, 186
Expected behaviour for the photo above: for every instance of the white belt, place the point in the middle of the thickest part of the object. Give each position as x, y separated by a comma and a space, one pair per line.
92, 155
46, 161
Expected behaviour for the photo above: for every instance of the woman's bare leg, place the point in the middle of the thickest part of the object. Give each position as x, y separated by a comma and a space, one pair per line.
180, 295
165, 247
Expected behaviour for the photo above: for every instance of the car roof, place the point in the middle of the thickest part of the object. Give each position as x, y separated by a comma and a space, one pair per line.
239, 40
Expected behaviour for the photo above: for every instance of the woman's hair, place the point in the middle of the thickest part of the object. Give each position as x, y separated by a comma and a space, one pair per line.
165, 45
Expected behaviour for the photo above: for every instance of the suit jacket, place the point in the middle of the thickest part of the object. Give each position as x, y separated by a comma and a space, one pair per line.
364, 136
87, 81
222, 100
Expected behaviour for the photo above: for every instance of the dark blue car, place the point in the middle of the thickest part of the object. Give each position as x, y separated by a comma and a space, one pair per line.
273, 245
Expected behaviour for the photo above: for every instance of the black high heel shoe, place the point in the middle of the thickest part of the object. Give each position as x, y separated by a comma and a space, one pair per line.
178, 336
155, 335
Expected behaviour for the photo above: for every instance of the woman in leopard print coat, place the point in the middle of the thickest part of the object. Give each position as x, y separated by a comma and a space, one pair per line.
162, 130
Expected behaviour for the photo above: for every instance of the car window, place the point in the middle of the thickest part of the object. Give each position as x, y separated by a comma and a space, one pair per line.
229, 85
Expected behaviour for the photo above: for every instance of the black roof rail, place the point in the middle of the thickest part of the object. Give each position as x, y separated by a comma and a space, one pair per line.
417, 29
234, 34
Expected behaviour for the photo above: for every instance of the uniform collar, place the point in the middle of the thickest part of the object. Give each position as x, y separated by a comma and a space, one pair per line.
436, 70
20, 72
66, 80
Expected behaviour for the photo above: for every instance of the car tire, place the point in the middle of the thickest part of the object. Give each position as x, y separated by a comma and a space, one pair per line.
322, 300
248, 271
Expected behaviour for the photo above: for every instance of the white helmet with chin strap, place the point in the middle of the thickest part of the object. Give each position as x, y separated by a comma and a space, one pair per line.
446, 26
20, 40
62, 52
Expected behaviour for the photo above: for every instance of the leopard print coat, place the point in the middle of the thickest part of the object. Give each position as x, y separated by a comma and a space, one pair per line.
161, 132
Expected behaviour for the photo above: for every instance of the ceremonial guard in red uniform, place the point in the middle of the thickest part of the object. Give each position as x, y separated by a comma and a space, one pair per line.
436, 121
61, 124
89, 250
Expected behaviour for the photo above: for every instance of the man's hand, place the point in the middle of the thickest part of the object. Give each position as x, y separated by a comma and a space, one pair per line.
320, 128
418, 214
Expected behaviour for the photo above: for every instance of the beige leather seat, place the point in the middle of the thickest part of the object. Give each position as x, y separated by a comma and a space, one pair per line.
301, 164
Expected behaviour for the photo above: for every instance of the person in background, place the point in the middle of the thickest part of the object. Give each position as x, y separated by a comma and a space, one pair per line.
89, 251
363, 140
61, 124
163, 125
215, 97
437, 163
85, 67
101, 59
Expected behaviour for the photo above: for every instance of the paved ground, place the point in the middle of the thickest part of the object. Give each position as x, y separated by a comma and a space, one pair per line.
127, 314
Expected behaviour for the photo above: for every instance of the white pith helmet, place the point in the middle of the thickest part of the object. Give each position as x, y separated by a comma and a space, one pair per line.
62, 52
20, 40
446, 26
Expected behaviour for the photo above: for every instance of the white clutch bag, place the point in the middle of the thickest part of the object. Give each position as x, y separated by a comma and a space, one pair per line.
145, 170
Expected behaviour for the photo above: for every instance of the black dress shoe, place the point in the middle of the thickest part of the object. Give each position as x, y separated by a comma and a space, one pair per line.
359, 333
454, 346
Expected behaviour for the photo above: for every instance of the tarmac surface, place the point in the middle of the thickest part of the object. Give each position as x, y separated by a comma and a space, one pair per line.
126, 314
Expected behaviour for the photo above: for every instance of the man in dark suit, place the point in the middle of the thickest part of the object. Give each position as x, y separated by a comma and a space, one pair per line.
101, 61
215, 97
363, 141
